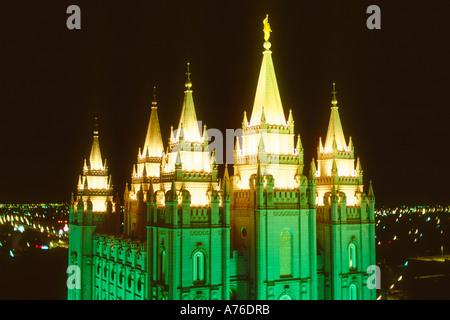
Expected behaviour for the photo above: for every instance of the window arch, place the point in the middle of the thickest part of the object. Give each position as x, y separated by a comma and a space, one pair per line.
352, 292
285, 253
286, 296
198, 267
352, 256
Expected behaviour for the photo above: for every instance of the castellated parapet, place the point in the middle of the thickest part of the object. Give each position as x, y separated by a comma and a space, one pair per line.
120, 268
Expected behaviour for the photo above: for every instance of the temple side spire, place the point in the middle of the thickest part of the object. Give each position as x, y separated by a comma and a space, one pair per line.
335, 135
153, 145
188, 120
95, 158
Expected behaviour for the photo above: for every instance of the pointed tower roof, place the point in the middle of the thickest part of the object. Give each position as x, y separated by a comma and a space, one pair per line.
290, 118
299, 145
188, 120
267, 93
95, 159
226, 176
370, 193
359, 169
225, 182
126, 193
153, 145
237, 145
312, 170
335, 134
245, 120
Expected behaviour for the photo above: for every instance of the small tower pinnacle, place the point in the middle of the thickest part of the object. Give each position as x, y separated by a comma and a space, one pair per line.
335, 139
370, 193
188, 83
95, 158
95, 126
154, 102
334, 100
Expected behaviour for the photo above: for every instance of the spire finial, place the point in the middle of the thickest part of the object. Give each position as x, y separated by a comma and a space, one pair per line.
188, 83
154, 102
334, 100
95, 126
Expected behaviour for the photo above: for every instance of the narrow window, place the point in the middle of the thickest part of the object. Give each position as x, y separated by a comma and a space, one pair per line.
285, 253
162, 266
352, 256
198, 267
353, 292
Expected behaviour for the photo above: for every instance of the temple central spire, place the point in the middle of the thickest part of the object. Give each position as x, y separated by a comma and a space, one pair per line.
267, 93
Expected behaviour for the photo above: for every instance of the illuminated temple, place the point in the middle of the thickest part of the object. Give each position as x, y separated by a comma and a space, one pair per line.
273, 229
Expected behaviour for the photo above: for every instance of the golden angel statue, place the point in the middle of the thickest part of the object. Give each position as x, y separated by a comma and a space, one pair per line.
266, 29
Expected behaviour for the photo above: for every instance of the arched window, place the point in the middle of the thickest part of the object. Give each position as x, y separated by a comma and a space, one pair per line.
130, 280
352, 263
121, 276
99, 267
140, 283
285, 253
352, 292
198, 267
113, 273
233, 293
162, 266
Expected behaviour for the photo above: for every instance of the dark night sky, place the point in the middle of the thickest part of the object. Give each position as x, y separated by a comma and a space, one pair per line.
393, 84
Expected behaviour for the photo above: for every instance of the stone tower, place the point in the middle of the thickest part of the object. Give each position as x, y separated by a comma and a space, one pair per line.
272, 212
146, 172
91, 211
345, 216
188, 217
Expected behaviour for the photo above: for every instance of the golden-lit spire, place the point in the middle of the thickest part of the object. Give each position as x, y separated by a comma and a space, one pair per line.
266, 28
95, 158
335, 135
267, 93
188, 120
359, 170
245, 120
312, 169
153, 145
